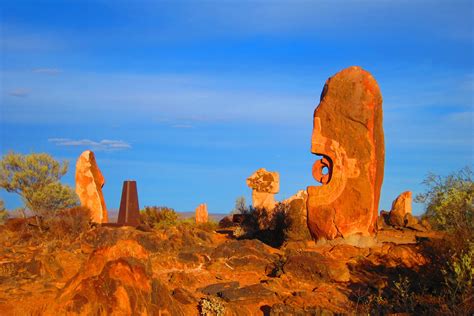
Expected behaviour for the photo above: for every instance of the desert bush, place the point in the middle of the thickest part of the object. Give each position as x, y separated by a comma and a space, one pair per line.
458, 274
449, 201
210, 226
35, 177
158, 216
211, 306
68, 224
267, 226
240, 206
3, 213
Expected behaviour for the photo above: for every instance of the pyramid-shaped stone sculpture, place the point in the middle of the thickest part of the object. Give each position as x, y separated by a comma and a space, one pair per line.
129, 213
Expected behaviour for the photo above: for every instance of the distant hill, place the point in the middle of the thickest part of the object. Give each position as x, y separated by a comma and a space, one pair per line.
113, 215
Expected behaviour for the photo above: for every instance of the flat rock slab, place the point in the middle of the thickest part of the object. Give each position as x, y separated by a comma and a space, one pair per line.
214, 289
252, 292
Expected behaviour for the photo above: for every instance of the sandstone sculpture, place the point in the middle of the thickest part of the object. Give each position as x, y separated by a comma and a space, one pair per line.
201, 214
264, 185
400, 208
129, 213
89, 183
348, 135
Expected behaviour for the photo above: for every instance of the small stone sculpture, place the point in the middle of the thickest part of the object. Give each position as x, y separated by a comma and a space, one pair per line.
264, 185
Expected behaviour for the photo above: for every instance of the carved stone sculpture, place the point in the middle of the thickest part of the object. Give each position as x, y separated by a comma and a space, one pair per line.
348, 135
89, 183
129, 212
201, 214
264, 185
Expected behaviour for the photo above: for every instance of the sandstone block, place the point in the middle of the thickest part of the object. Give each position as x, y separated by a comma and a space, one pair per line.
400, 207
89, 183
201, 214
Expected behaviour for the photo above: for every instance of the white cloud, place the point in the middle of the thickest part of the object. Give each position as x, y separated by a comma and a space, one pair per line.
47, 71
103, 145
20, 93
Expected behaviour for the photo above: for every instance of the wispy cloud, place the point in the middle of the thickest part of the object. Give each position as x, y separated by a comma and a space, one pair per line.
47, 71
19, 92
102, 145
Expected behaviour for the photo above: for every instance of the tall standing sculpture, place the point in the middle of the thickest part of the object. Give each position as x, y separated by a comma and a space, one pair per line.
89, 183
348, 135
129, 212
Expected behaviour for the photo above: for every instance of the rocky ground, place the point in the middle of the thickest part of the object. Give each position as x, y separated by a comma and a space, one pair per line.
186, 270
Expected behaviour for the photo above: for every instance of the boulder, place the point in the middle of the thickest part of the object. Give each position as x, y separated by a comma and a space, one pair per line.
117, 280
400, 207
264, 185
89, 183
348, 136
201, 214
296, 219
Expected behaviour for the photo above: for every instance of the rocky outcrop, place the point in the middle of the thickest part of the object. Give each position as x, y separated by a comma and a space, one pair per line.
348, 135
117, 280
89, 183
201, 214
264, 185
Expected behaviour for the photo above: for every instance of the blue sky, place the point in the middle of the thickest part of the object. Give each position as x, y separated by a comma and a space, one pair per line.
189, 98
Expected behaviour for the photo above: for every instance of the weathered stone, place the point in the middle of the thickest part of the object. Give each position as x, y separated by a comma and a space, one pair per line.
264, 185
214, 289
400, 207
255, 292
119, 280
89, 183
348, 134
296, 219
201, 214
129, 212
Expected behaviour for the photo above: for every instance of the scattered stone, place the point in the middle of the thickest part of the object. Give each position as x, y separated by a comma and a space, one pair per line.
400, 207
89, 183
348, 134
129, 212
264, 185
201, 214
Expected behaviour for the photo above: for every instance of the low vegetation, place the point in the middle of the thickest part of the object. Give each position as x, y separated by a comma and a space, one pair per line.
36, 179
159, 216
3, 212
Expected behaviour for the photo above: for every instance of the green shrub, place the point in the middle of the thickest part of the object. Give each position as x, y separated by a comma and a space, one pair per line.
449, 201
159, 216
35, 177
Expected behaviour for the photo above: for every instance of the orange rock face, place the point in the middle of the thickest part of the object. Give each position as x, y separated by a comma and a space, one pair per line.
400, 208
89, 183
264, 185
201, 213
348, 135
